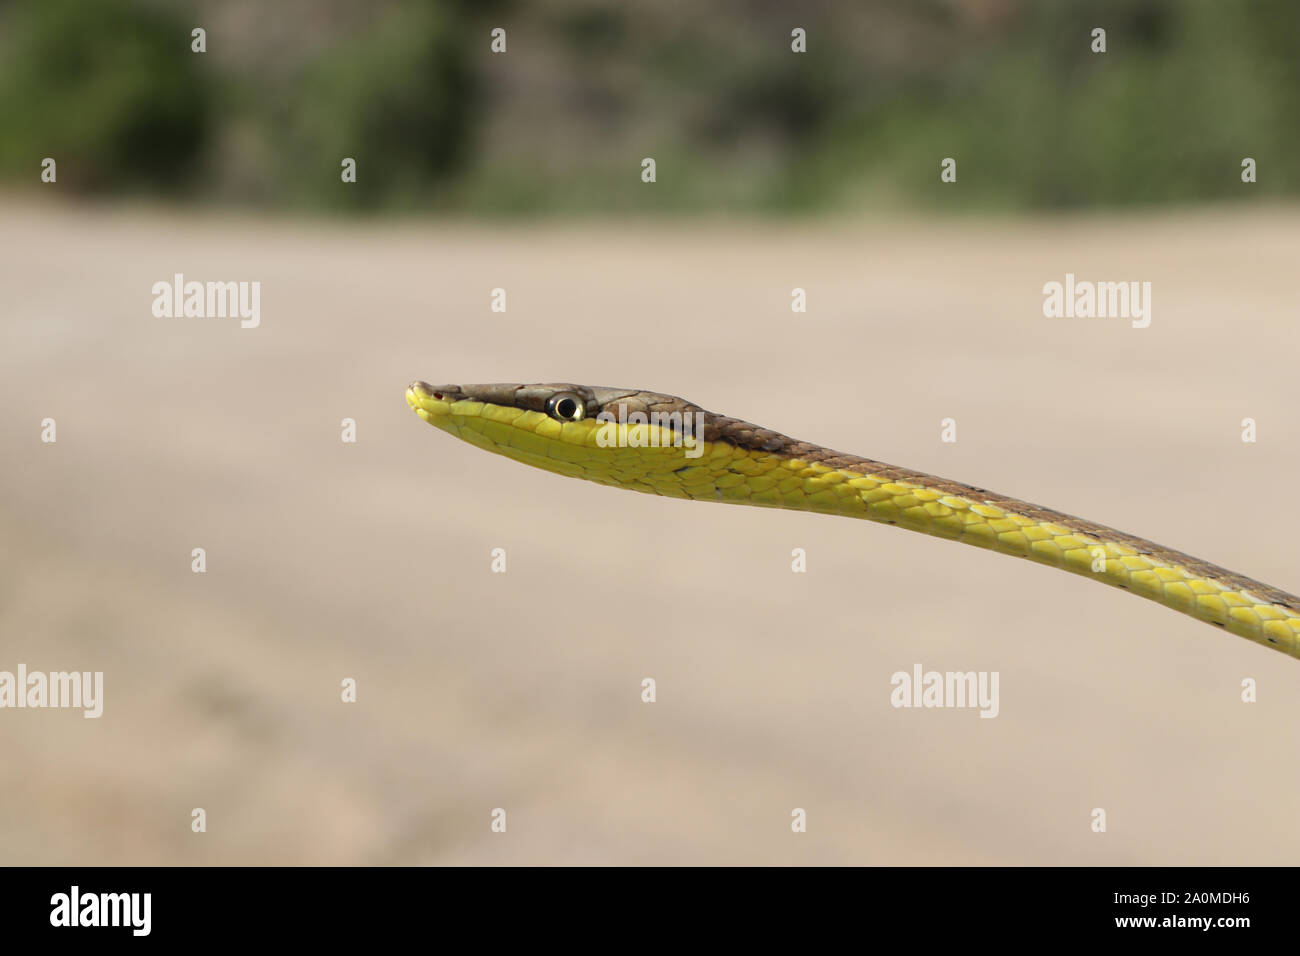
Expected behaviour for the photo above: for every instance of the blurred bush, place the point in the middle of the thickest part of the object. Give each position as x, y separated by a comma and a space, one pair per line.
399, 99
109, 89
733, 118
1185, 91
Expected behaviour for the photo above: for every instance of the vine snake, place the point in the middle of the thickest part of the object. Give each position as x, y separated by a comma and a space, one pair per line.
663, 445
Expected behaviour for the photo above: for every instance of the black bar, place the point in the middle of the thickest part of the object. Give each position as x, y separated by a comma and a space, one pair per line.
329, 904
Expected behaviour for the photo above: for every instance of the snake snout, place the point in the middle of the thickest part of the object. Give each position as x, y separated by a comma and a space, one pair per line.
438, 393
430, 402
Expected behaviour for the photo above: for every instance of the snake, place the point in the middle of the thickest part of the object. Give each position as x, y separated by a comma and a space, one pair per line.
663, 445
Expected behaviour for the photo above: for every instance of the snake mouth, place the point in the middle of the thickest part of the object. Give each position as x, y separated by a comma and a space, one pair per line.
432, 401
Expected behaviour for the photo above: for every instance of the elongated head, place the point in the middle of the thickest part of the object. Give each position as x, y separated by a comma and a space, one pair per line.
629, 438
620, 436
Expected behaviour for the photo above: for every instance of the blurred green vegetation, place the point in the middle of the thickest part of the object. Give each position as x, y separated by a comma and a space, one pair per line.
398, 98
733, 118
110, 91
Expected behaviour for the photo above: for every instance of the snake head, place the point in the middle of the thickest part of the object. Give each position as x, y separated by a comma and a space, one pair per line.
618, 436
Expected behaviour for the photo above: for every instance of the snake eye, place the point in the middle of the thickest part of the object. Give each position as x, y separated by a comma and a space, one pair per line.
565, 407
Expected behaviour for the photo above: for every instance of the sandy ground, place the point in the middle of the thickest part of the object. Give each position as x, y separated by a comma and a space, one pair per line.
522, 690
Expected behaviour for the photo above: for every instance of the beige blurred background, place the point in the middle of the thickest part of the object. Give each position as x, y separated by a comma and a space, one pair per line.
522, 690
481, 690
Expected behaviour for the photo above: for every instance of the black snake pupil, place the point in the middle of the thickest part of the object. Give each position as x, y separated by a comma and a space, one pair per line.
566, 407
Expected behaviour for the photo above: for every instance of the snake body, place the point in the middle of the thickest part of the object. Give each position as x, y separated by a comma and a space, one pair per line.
663, 445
